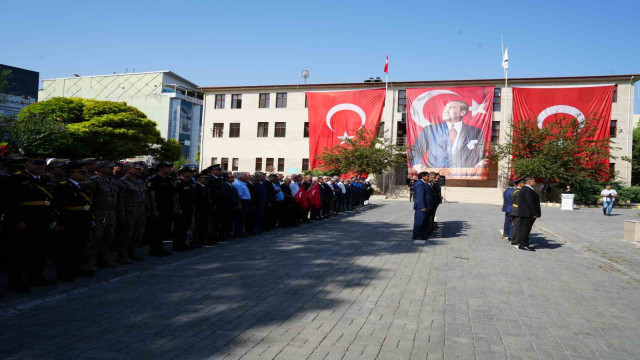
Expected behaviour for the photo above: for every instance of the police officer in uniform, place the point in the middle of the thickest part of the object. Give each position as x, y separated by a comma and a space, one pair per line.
217, 193
162, 194
103, 189
515, 219
202, 210
74, 223
29, 219
133, 210
186, 204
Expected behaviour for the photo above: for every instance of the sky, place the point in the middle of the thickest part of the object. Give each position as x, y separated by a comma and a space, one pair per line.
217, 43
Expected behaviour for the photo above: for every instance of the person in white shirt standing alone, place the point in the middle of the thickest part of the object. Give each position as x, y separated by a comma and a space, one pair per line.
608, 197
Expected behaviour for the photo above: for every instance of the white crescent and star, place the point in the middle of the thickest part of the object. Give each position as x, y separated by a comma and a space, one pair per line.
561, 109
348, 107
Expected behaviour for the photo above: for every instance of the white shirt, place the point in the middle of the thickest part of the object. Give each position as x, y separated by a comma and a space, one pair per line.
341, 186
458, 127
605, 193
294, 188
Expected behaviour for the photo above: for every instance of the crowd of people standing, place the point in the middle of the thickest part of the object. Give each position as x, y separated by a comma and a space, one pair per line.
76, 213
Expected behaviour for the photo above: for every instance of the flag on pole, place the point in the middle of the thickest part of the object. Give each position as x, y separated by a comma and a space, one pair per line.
505, 58
386, 65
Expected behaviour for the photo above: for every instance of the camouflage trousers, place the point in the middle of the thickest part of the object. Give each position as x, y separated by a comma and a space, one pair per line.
102, 235
131, 229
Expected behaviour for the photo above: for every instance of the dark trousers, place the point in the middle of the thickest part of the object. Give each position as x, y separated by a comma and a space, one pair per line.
69, 249
181, 227
516, 222
526, 223
26, 253
160, 229
202, 224
259, 218
240, 217
507, 225
419, 220
217, 229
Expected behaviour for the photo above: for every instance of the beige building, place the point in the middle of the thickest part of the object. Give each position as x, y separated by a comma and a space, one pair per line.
165, 97
249, 128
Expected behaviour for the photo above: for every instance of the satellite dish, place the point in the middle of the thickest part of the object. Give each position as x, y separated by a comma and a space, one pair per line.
305, 75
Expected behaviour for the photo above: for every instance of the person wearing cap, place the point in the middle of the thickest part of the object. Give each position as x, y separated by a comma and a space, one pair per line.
162, 194
133, 208
74, 223
186, 204
528, 212
89, 164
215, 181
202, 210
28, 221
515, 219
57, 170
103, 189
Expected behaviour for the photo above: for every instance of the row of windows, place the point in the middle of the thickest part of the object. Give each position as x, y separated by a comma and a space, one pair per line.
280, 130
263, 102
281, 100
235, 163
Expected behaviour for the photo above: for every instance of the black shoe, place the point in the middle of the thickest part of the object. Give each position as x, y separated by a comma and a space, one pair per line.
526, 248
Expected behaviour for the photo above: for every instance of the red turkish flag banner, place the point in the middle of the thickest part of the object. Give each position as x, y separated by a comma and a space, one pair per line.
449, 131
315, 200
335, 116
301, 198
541, 104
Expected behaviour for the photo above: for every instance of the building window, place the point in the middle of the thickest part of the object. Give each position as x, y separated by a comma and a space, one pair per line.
236, 101
220, 101
234, 130
281, 129
612, 168
305, 101
263, 129
402, 101
495, 131
381, 129
306, 129
234, 164
218, 130
258, 164
264, 101
305, 164
281, 100
615, 93
613, 129
224, 164
280, 164
214, 160
269, 166
497, 98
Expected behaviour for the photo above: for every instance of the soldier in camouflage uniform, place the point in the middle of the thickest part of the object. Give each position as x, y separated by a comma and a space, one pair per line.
133, 209
103, 188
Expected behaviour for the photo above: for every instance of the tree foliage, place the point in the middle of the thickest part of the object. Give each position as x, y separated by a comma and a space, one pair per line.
169, 150
75, 127
365, 153
561, 152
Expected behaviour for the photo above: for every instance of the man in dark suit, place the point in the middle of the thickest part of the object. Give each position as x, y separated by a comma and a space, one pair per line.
528, 211
506, 209
423, 203
451, 143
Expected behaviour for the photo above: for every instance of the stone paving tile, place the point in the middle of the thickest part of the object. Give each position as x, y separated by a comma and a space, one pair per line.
357, 287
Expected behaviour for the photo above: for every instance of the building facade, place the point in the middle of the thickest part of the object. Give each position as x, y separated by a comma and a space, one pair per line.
166, 98
265, 128
21, 91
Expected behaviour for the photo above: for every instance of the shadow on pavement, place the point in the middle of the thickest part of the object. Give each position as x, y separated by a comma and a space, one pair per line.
538, 241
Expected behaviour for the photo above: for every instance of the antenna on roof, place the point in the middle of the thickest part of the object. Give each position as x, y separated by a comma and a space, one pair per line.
126, 70
305, 75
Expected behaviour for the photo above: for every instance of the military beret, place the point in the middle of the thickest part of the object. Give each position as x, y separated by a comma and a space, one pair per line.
104, 164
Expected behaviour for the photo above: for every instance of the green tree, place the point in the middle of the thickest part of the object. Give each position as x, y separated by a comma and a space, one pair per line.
75, 127
169, 150
365, 153
561, 152
635, 157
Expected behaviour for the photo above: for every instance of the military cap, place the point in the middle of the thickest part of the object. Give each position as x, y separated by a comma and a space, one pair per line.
75, 165
163, 164
140, 164
185, 170
216, 167
104, 164
88, 161
39, 157
56, 162
518, 181
13, 160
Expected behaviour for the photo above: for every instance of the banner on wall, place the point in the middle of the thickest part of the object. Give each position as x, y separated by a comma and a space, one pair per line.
449, 131
335, 116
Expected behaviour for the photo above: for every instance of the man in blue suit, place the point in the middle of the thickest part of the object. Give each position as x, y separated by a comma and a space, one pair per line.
422, 204
506, 209
451, 143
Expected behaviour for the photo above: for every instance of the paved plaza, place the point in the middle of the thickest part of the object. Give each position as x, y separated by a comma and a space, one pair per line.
356, 287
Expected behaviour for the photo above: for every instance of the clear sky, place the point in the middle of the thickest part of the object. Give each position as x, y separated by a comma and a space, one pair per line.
270, 42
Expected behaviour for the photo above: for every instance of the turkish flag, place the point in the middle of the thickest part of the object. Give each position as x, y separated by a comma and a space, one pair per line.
449, 131
301, 198
315, 200
335, 116
539, 105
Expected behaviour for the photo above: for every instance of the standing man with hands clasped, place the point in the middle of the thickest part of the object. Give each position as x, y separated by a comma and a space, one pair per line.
422, 205
528, 212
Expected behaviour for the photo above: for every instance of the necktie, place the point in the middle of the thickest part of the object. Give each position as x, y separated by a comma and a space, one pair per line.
452, 136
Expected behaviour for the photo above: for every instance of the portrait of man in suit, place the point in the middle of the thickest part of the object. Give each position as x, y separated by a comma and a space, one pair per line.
450, 143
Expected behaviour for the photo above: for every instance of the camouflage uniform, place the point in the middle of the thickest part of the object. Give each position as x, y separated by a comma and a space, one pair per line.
104, 195
133, 209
